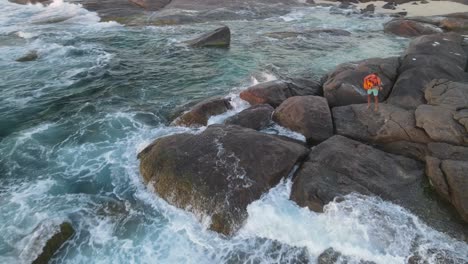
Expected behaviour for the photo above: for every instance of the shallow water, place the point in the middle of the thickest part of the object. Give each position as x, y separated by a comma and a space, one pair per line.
72, 123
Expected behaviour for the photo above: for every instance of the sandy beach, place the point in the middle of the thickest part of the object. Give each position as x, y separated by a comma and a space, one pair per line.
433, 8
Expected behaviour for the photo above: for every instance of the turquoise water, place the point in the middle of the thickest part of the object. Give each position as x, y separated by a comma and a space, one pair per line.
72, 123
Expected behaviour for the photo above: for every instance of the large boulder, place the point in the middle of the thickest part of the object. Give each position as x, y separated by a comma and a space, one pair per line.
440, 125
47, 238
220, 37
344, 86
201, 112
410, 28
450, 180
447, 94
308, 115
218, 172
438, 56
341, 166
443, 118
445, 151
255, 117
389, 124
275, 92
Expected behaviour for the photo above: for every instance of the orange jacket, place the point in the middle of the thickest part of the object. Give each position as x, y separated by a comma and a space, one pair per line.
371, 80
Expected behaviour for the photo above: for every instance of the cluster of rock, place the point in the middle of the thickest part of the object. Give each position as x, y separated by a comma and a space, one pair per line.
418, 26
418, 137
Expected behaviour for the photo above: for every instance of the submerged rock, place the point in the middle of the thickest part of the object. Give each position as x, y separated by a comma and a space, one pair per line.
308, 115
410, 28
275, 92
201, 112
308, 33
343, 85
151, 4
256, 117
220, 37
389, 124
218, 172
439, 56
25, 2
46, 240
30, 56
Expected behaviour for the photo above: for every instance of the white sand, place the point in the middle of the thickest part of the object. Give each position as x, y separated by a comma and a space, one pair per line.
433, 8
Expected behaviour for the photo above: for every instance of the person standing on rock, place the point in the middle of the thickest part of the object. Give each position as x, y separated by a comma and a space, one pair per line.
373, 84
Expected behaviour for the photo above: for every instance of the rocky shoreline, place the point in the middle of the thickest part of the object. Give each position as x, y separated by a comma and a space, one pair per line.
411, 152
411, 145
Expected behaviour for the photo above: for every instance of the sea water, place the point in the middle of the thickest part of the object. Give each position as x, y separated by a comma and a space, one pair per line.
73, 121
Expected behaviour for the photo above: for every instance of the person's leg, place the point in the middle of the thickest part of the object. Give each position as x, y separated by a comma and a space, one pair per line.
376, 99
368, 100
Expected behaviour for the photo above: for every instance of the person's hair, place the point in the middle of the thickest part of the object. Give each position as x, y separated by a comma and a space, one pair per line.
376, 73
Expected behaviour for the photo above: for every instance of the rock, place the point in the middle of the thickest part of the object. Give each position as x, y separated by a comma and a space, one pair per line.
220, 37
329, 256
343, 86
417, 151
389, 5
218, 172
340, 166
389, 124
369, 9
25, 2
447, 94
436, 177
450, 179
455, 24
275, 92
424, 2
438, 56
308, 115
410, 28
256, 117
201, 112
151, 4
46, 240
30, 56
440, 125
445, 151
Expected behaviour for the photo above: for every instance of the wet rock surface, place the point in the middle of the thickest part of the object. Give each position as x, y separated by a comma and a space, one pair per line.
201, 112
275, 92
218, 172
410, 28
46, 241
219, 38
30, 56
340, 166
308, 115
256, 117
